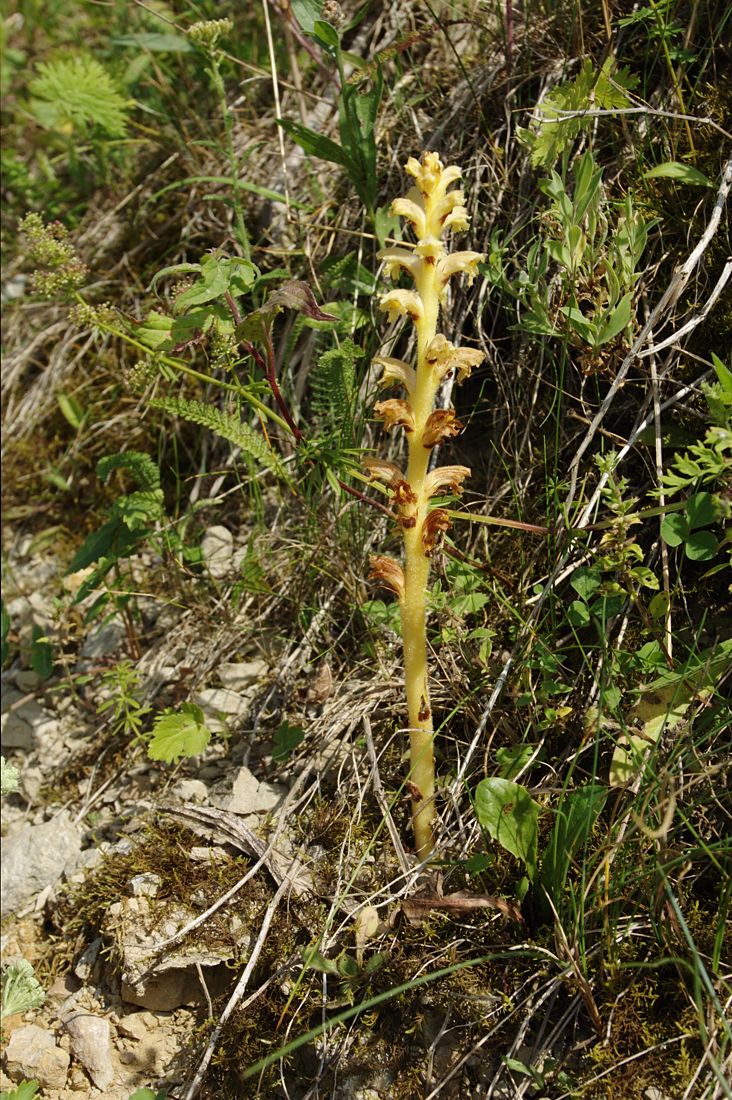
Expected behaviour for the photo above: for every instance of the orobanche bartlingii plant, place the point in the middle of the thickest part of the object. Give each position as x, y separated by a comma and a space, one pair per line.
432, 210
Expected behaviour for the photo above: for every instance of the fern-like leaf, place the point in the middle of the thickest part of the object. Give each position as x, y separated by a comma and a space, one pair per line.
224, 424
77, 92
333, 384
140, 465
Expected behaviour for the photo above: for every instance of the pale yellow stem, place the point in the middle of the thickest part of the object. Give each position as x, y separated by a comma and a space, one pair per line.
416, 576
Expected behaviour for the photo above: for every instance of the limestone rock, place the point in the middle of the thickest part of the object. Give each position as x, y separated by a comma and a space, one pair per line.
238, 676
248, 795
92, 1045
32, 1053
215, 701
104, 639
36, 858
160, 982
217, 549
24, 722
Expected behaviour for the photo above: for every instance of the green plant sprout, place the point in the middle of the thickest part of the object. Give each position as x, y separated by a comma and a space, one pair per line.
206, 35
432, 210
21, 989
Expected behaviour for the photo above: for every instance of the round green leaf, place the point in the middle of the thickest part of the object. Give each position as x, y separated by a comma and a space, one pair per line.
578, 613
700, 510
511, 816
674, 529
701, 546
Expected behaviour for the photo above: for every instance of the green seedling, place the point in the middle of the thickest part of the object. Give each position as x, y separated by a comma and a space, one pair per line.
357, 113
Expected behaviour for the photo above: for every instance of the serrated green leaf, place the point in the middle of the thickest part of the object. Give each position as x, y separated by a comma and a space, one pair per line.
179, 733
173, 269
227, 425
138, 463
511, 816
213, 284
675, 170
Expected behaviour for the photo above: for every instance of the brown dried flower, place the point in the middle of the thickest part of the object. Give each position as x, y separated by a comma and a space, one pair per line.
446, 477
441, 424
388, 573
395, 413
436, 524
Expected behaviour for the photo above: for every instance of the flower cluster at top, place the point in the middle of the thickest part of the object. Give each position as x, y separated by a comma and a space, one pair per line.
432, 209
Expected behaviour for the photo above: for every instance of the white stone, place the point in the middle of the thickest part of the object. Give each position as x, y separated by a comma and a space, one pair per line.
242, 674
250, 796
32, 1053
104, 639
217, 548
36, 857
191, 790
85, 965
159, 983
137, 1025
92, 1046
215, 701
26, 679
24, 722
145, 885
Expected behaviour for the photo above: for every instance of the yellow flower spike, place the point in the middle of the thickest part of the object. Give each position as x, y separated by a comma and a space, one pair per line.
444, 357
379, 469
402, 303
433, 210
395, 371
465, 262
430, 175
395, 258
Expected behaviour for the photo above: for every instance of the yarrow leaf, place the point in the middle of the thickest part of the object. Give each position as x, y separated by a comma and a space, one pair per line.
77, 92
224, 424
